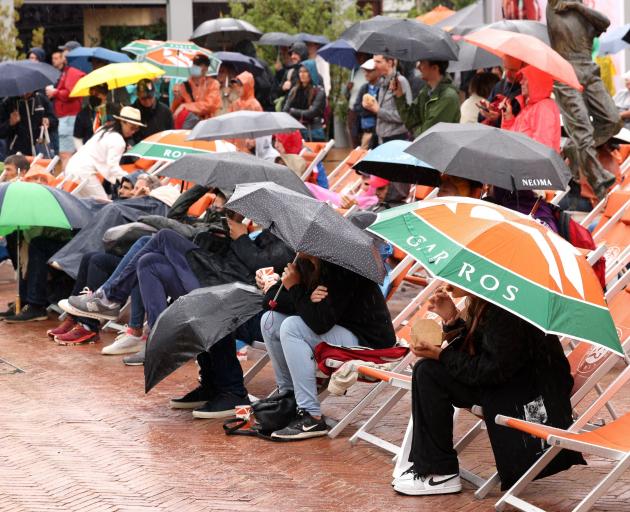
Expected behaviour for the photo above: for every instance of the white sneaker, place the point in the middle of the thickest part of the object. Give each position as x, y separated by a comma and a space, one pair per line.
412, 484
125, 343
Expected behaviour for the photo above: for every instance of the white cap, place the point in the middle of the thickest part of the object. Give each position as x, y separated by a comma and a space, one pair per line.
368, 65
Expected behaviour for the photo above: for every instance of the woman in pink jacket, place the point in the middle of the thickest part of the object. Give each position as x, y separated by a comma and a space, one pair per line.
539, 117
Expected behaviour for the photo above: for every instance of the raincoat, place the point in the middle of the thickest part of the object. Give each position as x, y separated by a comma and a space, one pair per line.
203, 100
539, 117
247, 101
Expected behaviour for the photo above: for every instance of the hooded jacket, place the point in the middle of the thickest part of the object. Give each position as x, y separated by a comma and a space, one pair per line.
247, 101
203, 100
431, 107
539, 117
312, 115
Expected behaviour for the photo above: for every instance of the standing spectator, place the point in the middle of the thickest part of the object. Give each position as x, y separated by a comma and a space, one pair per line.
36, 54
367, 119
243, 87
622, 100
297, 53
199, 97
92, 116
323, 68
357, 79
155, 115
437, 102
21, 121
389, 125
66, 107
479, 88
507, 87
306, 102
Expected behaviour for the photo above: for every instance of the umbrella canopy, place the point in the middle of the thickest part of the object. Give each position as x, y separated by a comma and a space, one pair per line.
277, 39
175, 58
193, 324
390, 161
25, 205
116, 75
21, 77
226, 170
245, 124
435, 15
506, 258
527, 48
79, 57
468, 16
140, 46
532, 28
221, 33
614, 40
309, 226
240, 62
339, 52
403, 39
311, 38
173, 144
506, 159
472, 57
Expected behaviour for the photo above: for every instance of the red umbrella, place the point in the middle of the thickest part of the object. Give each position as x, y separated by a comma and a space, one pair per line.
528, 49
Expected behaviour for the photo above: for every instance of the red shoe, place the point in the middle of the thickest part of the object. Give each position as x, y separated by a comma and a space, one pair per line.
63, 328
77, 336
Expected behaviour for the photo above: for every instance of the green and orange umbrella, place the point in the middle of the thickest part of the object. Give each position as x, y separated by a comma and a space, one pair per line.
173, 144
506, 258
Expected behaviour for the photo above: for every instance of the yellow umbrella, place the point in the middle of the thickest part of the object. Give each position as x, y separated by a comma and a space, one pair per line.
116, 75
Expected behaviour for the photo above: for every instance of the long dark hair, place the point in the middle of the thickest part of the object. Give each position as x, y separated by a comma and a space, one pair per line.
473, 316
311, 273
113, 125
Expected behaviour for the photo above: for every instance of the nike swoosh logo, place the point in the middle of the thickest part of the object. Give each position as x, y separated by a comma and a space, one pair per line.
439, 482
306, 429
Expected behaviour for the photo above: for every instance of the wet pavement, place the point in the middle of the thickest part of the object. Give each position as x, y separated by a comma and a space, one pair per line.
77, 433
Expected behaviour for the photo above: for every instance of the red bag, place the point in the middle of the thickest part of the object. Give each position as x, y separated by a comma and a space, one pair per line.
336, 356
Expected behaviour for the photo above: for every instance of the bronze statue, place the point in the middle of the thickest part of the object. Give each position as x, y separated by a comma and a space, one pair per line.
572, 27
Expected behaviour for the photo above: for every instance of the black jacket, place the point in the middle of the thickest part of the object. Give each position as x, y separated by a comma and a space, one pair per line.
513, 365
157, 119
36, 108
311, 117
241, 260
353, 302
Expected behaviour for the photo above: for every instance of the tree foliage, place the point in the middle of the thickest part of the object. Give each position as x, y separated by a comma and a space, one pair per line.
10, 44
37, 37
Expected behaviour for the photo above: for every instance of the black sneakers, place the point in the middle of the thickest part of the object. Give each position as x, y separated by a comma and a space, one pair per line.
193, 399
10, 311
223, 405
303, 427
28, 314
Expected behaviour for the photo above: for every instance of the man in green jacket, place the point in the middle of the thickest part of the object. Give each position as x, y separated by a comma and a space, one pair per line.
438, 100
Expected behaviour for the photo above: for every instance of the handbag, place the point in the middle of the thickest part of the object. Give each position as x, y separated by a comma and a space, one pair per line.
270, 414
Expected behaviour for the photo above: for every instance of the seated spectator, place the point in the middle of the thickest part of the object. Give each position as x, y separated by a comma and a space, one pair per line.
154, 114
198, 97
460, 187
101, 154
306, 102
479, 88
622, 100
38, 174
365, 198
367, 118
289, 143
137, 184
539, 117
36, 54
319, 302
15, 166
93, 115
495, 360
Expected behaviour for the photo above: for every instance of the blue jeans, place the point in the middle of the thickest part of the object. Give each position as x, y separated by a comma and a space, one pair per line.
290, 344
136, 319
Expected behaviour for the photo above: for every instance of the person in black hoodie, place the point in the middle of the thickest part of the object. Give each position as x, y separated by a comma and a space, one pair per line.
495, 360
155, 115
319, 301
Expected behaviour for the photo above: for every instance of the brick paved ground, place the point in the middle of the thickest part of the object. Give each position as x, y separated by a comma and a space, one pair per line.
78, 433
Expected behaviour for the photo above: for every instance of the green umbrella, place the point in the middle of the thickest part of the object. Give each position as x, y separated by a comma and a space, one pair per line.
175, 58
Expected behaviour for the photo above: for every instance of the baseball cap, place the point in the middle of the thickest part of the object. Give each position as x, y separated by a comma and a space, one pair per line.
144, 88
70, 45
368, 65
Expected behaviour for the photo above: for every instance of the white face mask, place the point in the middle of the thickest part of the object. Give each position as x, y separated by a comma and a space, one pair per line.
195, 71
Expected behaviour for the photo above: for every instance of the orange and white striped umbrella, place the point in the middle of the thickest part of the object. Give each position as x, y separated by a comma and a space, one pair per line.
506, 258
172, 144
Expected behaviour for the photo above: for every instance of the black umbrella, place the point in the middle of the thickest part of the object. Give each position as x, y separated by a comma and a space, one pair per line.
245, 124
194, 323
242, 62
222, 33
403, 39
310, 226
312, 38
471, 15
509, 160
21, 77
226, 170
277, 39
472, 57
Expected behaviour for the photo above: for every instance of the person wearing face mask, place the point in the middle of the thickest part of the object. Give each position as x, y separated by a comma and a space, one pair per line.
199, 96
155, 115
92, 116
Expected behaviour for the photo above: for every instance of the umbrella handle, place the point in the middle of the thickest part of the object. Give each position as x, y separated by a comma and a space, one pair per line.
274, 302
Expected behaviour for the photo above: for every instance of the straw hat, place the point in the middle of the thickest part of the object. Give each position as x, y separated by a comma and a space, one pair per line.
130, 115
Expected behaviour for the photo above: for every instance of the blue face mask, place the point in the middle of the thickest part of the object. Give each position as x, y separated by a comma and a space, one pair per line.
195, 71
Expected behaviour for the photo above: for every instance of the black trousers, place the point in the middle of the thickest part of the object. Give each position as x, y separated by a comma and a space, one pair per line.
433, 394
33, 289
